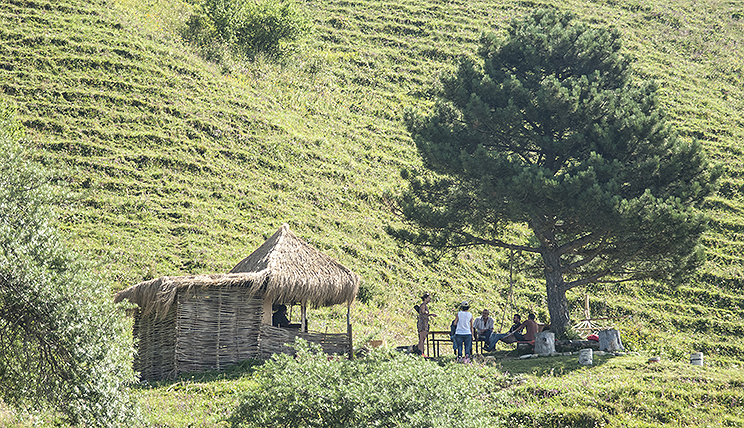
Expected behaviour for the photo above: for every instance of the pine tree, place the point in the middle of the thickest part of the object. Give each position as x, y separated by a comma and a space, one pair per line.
549, 129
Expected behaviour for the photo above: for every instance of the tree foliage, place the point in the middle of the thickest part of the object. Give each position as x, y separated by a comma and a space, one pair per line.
62, 342
549, 129
267, 27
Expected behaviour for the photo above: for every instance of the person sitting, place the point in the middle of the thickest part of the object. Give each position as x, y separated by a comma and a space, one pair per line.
532, 327
513, 335
483, 326
279, 319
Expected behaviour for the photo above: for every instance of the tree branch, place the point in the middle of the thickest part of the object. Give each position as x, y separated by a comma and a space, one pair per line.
579, 243
499, 243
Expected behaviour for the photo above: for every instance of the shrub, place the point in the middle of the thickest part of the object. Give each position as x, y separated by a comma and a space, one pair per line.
62, 344
269, 27
557, 417
383, 389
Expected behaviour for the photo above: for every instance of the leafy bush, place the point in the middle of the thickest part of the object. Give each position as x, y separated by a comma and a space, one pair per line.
383, 389
263, 26
557, 417
61, 343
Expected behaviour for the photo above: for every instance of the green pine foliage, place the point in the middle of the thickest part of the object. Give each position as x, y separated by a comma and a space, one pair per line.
184, 167
63, 343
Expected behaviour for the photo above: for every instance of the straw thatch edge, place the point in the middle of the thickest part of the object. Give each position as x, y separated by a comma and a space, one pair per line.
158, 294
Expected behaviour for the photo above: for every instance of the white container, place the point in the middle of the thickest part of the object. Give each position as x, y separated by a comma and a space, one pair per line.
585, 357
696, 359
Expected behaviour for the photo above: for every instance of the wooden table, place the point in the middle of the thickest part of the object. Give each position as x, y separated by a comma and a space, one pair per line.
433, 339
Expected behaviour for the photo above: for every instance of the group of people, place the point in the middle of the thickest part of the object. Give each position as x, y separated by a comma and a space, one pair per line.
464, 329
483, 330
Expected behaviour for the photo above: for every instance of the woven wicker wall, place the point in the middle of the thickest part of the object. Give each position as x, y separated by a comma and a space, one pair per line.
210, 329
273, 339
216, 327
156, 343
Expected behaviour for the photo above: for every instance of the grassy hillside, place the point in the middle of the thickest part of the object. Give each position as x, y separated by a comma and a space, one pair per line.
182, 166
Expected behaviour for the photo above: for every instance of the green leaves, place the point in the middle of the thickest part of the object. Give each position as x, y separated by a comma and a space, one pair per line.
62, 342
385, 389
267, 26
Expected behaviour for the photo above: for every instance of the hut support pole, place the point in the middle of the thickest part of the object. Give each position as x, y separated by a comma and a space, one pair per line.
303, 314
348, 331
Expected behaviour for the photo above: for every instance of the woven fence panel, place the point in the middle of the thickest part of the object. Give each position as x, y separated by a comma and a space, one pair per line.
216, 328
156, 342
274, 339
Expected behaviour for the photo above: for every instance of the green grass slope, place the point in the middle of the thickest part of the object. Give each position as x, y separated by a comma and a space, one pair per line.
181, 166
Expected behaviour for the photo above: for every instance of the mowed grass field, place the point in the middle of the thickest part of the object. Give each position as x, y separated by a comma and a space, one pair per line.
177, 165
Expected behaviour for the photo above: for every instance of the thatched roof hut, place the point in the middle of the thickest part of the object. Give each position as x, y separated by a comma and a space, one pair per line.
191, 323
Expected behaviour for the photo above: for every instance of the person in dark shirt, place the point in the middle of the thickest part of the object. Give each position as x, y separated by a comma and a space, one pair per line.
512, 336
279, 319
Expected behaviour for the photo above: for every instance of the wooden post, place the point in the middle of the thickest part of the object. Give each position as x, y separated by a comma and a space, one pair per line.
351, 342
303, 314
268, 304
348, 331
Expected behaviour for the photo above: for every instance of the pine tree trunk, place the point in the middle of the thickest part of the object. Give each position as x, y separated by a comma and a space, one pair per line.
557, 303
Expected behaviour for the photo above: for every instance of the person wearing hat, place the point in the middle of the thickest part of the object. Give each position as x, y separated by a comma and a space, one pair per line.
464, 331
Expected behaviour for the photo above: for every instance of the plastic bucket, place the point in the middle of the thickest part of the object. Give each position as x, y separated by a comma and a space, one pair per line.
696, 359
586, 357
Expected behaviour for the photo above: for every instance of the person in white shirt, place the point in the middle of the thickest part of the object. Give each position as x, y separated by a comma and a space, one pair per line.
483, 326
464, 331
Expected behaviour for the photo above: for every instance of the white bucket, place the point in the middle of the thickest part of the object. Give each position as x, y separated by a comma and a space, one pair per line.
585, 357
696, 359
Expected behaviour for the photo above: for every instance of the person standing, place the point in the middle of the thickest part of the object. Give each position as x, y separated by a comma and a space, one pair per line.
464, 331
423, 321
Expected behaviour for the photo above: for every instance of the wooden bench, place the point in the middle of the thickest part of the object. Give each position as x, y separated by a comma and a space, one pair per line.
479, 345
435, 338
525, 344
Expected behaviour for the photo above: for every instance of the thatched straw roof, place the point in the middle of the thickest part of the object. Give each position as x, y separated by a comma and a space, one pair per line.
297, 272
284, 268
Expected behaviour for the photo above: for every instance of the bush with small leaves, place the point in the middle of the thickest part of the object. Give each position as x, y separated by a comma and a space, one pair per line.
269, 27
313, 389
62, 344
